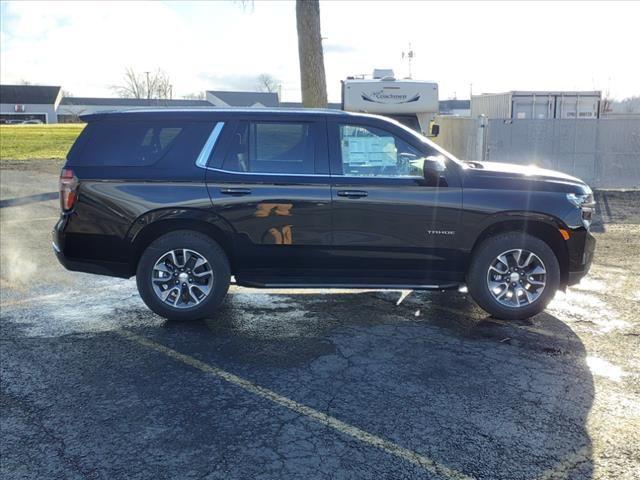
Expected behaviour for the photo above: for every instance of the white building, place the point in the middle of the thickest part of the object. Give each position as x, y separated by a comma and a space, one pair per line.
46, 104
29, 102
71, 108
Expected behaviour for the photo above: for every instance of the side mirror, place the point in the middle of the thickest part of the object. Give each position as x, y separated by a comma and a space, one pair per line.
435, 130
433, 168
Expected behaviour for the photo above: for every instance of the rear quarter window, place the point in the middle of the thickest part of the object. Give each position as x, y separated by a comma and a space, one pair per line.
127, 144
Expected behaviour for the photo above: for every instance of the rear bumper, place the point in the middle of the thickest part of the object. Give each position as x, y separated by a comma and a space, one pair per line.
99, 268
86, 265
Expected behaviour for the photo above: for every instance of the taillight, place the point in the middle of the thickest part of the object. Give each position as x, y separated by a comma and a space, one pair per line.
68, 189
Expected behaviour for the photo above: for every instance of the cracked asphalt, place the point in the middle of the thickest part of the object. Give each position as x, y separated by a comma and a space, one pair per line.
311, 384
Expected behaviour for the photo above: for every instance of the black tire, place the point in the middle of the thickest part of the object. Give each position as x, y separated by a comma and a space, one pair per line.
483, 257
203, 245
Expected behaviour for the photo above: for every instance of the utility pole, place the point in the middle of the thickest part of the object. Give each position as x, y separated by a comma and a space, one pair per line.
148, 86
409, 54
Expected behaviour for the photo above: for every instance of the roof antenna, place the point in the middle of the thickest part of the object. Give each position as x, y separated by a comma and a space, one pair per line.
409, 54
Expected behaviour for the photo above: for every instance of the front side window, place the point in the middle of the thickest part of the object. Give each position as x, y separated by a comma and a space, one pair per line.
373, 152
269, 147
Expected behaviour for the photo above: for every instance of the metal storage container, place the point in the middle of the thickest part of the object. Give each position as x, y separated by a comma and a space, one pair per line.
522, 105
491, 105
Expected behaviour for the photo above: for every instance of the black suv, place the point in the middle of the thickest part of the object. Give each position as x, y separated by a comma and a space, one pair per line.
184, 199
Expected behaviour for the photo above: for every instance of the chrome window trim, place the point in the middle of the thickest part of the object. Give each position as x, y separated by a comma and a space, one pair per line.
323, 175
386, 177
221, 170
205, 153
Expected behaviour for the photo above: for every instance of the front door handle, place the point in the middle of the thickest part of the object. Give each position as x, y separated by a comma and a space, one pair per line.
236, 191
352, 193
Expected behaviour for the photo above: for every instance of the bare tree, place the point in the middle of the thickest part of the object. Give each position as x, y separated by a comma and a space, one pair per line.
631, 104
606, 104
267, 83
132, 86
144, 85
312, 76
161, 86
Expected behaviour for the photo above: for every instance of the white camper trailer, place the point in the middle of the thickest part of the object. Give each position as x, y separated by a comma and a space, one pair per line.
411, 102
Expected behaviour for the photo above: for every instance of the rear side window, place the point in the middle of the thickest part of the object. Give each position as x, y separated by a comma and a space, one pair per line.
269, 147
129, 144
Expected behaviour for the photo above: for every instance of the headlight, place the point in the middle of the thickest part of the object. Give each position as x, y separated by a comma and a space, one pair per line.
586, 204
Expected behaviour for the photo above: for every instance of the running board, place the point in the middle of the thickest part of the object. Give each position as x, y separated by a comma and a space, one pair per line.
355, 286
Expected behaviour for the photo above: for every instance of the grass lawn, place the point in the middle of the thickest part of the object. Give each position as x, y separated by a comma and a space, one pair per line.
24, 142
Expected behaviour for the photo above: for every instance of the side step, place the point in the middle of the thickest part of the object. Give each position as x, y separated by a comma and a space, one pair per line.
301, 283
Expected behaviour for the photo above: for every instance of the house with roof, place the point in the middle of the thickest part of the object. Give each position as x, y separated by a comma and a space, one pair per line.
29, 102
459, 108
46, 104
330, 105
71, 108
221, 98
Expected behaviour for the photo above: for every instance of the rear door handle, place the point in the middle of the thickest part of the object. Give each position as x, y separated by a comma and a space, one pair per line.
236, 191
352, 193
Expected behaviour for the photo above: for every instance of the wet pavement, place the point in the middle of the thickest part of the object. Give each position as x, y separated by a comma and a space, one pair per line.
312, 384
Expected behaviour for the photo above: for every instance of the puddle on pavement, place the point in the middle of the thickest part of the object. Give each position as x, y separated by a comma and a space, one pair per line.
98, 308
266, 315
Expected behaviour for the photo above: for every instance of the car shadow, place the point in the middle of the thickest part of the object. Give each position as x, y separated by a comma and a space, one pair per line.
433, 374
615, 207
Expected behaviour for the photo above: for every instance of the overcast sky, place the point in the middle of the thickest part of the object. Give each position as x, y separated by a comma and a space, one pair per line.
85, 47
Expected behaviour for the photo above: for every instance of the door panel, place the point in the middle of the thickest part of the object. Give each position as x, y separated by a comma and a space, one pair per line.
277, 224
281, 220
393, 226
402, 228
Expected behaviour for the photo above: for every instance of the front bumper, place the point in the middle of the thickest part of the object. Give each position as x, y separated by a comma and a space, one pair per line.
581, 252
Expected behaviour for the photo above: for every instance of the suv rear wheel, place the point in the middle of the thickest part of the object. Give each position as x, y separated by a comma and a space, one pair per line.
183, 275
513, 275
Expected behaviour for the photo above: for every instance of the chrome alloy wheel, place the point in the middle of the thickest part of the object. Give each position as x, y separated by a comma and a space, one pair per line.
516, 278
182, 278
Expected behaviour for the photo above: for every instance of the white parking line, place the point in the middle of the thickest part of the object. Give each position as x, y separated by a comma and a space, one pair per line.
322, 418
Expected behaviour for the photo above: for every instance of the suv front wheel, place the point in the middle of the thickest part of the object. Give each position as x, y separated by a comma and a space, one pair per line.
513, 275
183, 275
